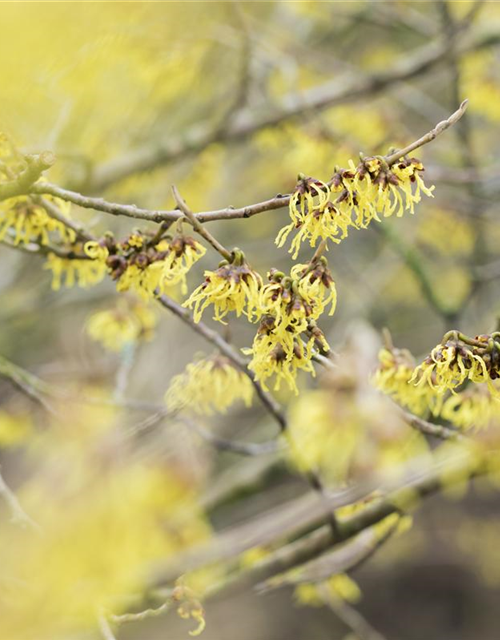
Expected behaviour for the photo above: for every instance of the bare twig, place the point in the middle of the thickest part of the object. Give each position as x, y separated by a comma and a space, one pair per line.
350, 616
430, 429
141, 615
105, 627
430, 135
19, 515
197, 226
223, 444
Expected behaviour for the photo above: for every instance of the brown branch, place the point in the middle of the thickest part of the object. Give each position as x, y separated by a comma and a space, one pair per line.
430, 135
55, 213
234, 446
198, 227
430, 429
214, 338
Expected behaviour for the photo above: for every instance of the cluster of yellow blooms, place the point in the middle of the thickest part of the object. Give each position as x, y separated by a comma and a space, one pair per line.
474, 408
432, 386
234, 286
70, 271
208, 385
148, 266
290, 306
392, 377
352, 198
458, 359
127, 323
22, 220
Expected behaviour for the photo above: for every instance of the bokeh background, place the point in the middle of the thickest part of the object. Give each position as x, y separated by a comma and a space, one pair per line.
230, 101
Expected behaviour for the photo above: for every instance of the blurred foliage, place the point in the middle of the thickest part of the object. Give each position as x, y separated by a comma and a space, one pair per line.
108, 489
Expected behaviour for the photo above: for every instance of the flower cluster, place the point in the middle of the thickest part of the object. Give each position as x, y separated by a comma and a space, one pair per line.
474, 408
22, 220
392, 377
288, 331
209, 385
234, 286
126, 324
70, 271
458, 359
147, 265
352, 198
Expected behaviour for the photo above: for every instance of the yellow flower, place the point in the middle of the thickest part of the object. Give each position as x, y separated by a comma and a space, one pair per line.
209, 385
326, 222
144, 280
272, 357
393, 376
27, 221
145, 266
85, 273
126, 324
453, 362
475, 408
294, 301
183, 252
96, 251
234, 286
352, 198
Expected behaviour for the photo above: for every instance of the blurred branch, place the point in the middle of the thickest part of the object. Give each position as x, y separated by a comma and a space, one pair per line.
347, 558
26, 382
223, 444
19, 515
302, 515
413, 261
105, 628
318, 98
430, 429
36, 164
350, 616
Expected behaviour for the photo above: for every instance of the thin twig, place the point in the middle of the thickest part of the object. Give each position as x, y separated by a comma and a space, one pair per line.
228, 213
105, 628
223, 444
430, 429
214, 338
19, 515
349, 616
198, 227
141, 615
430, 135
